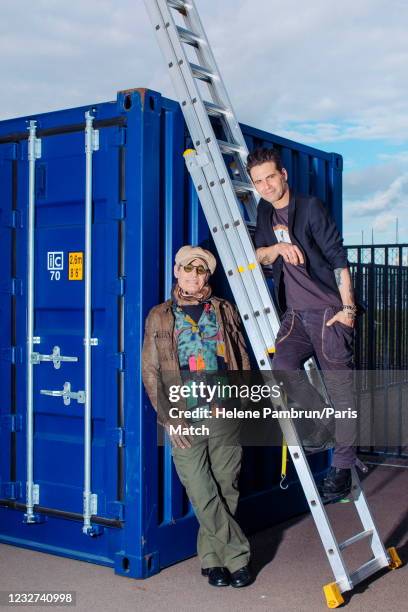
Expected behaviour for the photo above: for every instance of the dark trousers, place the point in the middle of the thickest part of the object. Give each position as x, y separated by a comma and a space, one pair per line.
303, 333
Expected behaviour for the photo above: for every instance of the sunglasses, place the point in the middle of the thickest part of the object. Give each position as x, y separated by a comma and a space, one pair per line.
200, 269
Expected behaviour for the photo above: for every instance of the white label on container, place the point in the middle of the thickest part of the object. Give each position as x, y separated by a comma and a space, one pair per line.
55, 260
55, 263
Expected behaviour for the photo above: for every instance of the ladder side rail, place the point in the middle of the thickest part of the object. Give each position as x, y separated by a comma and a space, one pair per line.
248, 302
317, 508
189, 93
244, 253
222, 98
189, 110
196, 132
367, 520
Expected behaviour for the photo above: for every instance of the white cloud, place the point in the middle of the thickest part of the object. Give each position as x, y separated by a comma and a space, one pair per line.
61, 54
376, 208
313, 71
362, 183
395, 195
401, 157
370, 124
385, 222
310, 67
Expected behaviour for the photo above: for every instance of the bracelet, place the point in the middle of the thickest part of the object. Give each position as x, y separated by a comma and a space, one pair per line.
350, 311
350, 307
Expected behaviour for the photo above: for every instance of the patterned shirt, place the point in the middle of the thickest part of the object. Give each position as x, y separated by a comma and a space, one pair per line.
199, 343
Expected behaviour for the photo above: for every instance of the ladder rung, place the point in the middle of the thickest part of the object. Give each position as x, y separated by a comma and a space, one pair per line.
188, 37
229, 147
179, 5
204, 74
356, 538
367, 570
215, 109
241, 187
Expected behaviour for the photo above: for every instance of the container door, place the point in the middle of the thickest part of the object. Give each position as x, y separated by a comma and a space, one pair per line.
59, 322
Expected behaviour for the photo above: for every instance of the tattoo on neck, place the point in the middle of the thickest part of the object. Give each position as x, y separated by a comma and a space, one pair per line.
337, 275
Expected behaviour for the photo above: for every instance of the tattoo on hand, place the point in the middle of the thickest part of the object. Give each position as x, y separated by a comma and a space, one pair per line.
337, 275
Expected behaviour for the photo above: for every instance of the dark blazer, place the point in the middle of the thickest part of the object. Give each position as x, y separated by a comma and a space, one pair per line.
313, 230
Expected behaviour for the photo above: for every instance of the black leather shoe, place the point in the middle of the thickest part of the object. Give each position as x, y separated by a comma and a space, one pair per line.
217, 576
241, 577
336, 485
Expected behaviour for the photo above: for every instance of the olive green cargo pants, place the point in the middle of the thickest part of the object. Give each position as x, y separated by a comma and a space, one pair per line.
209, 471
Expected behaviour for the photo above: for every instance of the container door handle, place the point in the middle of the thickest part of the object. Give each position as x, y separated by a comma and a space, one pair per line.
66, 394
55, 357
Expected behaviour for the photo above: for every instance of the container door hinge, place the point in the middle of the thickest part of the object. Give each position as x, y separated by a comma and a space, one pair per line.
118, 435
122, 210
11, 219
117, 210
13, 354
9, 152
66, 394
11, 422
122, 286
117, 361
56, 358
120, 137
117, 287
12, 286
11, 490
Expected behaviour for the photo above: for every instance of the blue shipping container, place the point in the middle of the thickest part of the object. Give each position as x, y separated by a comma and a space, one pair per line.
144, 209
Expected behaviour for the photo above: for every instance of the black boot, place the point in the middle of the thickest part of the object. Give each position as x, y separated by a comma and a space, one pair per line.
336, 485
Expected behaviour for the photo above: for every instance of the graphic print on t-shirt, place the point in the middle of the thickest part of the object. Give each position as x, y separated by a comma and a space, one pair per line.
282, 233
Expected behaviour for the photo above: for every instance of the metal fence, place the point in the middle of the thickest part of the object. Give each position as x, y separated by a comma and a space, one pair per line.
380, 277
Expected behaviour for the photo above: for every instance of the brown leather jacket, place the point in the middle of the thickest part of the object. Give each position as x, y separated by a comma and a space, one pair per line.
160, 350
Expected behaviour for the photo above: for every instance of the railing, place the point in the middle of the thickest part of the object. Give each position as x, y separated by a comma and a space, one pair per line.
380, 277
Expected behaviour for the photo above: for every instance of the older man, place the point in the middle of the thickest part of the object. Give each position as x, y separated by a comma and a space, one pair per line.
196, 332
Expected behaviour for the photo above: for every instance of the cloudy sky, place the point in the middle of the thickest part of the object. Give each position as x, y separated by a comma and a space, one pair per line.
326, 73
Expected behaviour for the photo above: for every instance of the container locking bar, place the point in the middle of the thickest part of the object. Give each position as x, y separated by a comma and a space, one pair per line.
90, 500
32, 490
66, 394
56, 358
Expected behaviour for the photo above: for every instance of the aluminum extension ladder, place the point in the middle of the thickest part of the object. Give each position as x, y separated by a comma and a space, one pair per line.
220, 199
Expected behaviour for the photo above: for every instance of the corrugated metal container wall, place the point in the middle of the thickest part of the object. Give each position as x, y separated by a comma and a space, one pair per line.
145, 208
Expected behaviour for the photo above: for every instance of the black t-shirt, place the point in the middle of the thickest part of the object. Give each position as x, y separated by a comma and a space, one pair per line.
301, 292
194, 311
